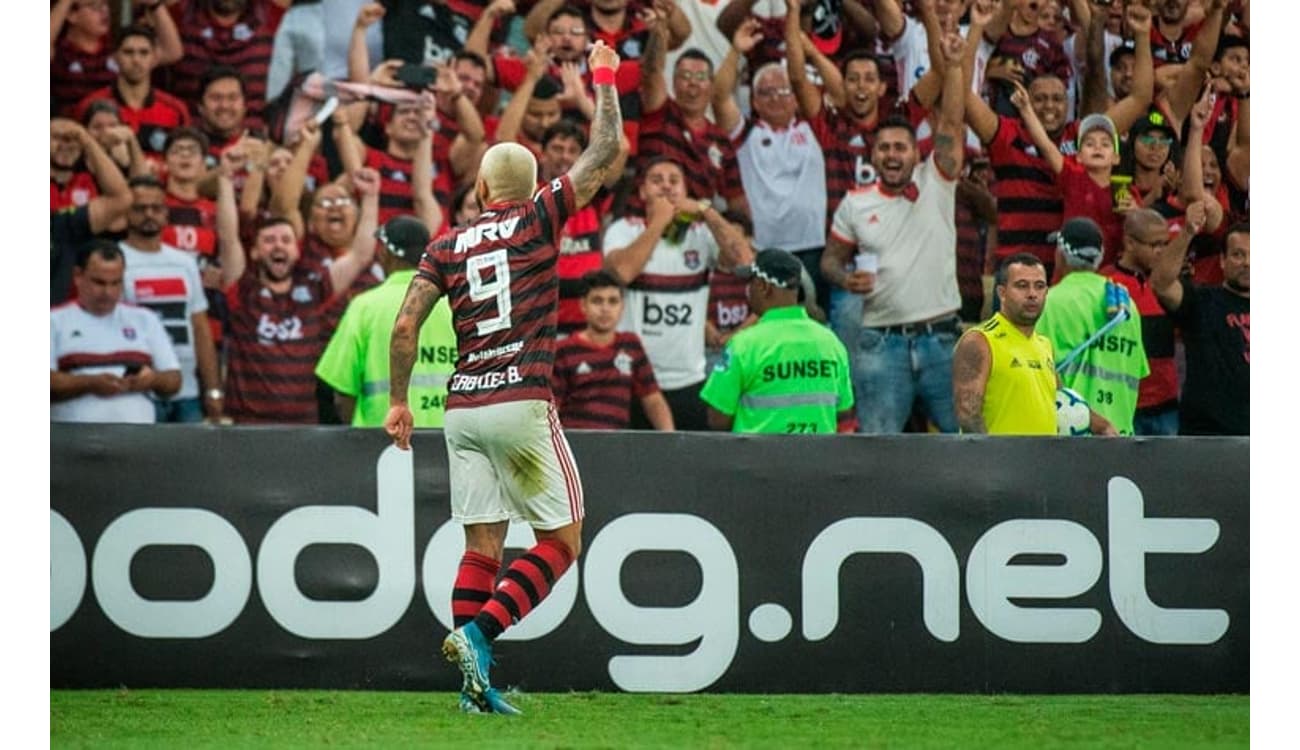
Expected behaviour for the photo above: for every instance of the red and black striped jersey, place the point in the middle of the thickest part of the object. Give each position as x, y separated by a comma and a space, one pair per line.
1038, 53
594, 385
1165, 51
80, 190
1029, 202
274, 341
75, 73
395, 178
728, 300
706, 155
580, 253
191, 225
245, 45
847, 144
160, 114
499, 276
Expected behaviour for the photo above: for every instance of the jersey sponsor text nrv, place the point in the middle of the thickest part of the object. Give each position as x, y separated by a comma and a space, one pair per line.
499, 230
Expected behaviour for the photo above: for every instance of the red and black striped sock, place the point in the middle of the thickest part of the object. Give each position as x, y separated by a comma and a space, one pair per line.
475, 578
525, 584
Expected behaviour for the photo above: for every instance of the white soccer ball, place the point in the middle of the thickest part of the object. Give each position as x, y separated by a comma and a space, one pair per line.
1072, 415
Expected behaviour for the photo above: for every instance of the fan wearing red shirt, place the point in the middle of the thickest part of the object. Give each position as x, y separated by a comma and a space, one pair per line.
679, 128
80, 55
599, 369
1085, 180
407, 181
151, 112
535, 105
71, 183
579, 239
567, 41
239, 33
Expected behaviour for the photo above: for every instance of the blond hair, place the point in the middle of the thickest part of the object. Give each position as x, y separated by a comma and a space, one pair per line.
508, 172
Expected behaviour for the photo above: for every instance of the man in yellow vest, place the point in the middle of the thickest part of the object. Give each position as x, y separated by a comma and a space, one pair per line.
1003, 374
355, 364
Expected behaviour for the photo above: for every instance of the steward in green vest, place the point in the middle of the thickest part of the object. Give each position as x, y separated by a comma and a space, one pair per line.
786, 373
355, 363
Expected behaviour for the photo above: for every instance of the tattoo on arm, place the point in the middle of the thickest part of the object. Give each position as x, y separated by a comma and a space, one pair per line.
970, 367
945, 155
420, 299
588, 174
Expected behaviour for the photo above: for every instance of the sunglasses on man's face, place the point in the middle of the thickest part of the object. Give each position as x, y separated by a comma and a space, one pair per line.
1155, 140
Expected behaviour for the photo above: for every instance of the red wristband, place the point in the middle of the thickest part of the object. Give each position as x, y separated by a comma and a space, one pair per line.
602, 76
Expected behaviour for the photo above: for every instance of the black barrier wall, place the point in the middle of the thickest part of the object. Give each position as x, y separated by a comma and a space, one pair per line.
186, 556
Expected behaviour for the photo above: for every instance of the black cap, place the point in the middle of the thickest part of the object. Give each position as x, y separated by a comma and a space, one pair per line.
1079, 238
775, 267
405, 237
1153, 120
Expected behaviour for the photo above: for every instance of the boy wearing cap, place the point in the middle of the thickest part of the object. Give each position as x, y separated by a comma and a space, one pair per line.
355, 362
1107, 372
786, 373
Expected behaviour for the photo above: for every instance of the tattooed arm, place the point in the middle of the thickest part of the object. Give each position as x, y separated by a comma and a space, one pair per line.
421, 296
971, 361
950, 135
588, 173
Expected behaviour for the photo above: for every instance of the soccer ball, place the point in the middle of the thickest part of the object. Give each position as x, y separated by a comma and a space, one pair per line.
1072, 416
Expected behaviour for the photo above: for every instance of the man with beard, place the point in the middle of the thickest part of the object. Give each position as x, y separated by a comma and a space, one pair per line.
1030, 205
151, 113
278, 306
1173, 33
903, 233
80, 57
1003, 374
612, 22
1215, 322
664, 261
166, 280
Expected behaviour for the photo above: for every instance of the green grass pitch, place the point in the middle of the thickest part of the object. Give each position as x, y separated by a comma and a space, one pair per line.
193, 719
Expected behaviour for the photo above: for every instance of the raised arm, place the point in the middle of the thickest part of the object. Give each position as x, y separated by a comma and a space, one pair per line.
480, 36
733, 15
971, 362
1169, 263
358, 52
832, 79
979, 115
361, 253
589, 171
1238, 165
997, 26
535, 21
170, 48
58, 16
654, 83
1042, 141
287, 195
806, 92
512, 118
889, 14
1096, 92
115, 196
1182, 95
230, 249
424, 204
861, 18
421, 296
467, 146
1131, 108
725, 110
1191, 186
950, 135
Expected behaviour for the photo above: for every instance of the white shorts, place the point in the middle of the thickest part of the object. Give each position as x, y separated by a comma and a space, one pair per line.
511, 461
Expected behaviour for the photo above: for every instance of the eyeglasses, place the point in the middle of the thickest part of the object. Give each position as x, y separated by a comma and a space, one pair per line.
773, 93
698, 76
1155, 140
328, 203
184, 149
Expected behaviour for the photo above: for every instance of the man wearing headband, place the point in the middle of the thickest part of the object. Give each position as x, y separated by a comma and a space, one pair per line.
786, 373
1108, 371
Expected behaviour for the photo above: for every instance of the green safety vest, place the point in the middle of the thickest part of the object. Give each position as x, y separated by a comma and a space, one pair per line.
355, 362
1107, 373
785, 374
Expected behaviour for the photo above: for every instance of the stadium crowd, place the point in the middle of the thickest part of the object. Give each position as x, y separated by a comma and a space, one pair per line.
244, 156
